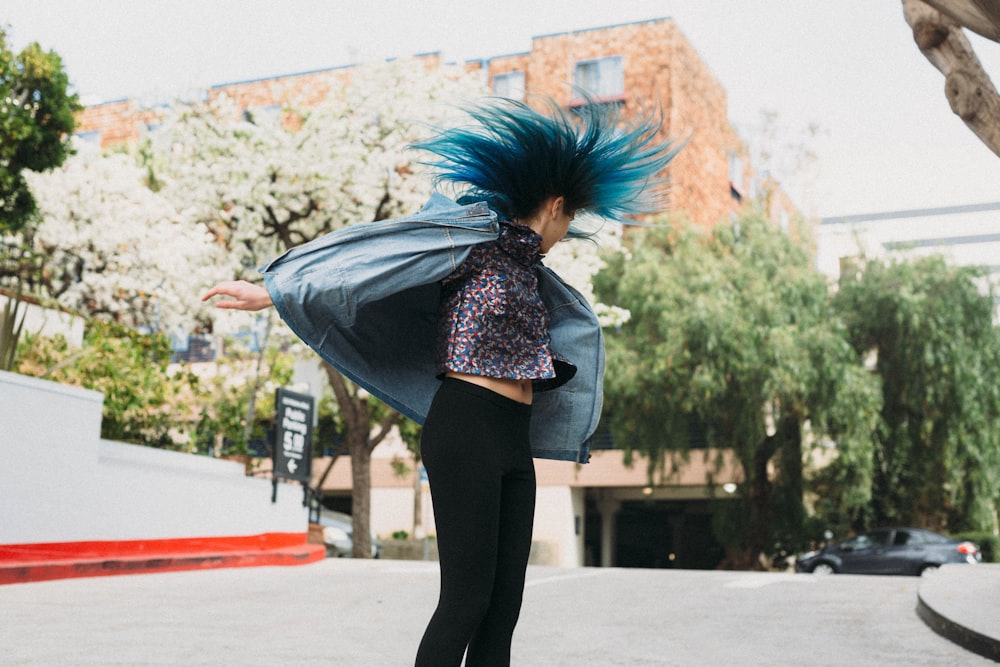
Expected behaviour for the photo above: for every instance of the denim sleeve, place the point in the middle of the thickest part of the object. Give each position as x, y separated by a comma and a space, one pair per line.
324, 283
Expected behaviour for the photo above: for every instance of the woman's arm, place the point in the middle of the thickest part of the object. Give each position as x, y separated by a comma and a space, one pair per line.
246, 296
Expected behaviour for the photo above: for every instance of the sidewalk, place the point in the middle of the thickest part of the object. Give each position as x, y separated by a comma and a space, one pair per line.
963, 604
361, 613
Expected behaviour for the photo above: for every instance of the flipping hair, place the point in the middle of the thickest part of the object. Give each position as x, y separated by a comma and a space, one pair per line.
514, 158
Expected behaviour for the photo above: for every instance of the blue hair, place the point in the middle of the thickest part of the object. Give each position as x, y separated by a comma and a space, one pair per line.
514, 158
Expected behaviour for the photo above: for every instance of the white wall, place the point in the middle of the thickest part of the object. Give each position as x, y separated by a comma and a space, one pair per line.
555, 510
392, 510
49, 322
64, 484
554, 527
967, 236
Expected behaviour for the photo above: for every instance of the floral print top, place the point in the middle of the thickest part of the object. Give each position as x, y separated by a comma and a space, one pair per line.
492, 321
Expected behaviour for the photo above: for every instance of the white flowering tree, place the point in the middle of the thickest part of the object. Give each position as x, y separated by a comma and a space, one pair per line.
578, 261
113, 248
261, 181
266, 180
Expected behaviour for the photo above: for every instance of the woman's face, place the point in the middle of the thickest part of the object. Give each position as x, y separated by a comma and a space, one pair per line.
556, 229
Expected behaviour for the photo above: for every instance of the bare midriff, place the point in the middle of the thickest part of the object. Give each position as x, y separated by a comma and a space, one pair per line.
515, 390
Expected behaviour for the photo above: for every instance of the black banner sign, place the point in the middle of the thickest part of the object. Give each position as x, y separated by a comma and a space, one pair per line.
293, 435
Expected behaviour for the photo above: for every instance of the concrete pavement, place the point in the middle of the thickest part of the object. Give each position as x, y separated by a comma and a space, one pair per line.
360, 613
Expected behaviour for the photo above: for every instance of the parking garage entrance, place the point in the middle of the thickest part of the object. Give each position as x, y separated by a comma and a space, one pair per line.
654, 534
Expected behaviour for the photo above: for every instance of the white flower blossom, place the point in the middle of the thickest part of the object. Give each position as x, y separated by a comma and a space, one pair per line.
262, 187
124, 251
577, 261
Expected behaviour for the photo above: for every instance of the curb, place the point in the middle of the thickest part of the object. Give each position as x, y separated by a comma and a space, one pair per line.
969, 639
69, 566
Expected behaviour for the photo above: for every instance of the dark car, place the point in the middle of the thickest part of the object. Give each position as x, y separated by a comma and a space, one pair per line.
910, 551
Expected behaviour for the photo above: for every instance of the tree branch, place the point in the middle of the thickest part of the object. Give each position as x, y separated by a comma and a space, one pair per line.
979, 16
326, 473
380, 209
341, 392
971, 94
384, 426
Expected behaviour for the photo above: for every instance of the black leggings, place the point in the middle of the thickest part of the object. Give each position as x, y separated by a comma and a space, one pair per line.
475, 449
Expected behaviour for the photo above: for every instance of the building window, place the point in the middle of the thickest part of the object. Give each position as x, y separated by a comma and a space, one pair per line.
784, 220
736, 175
603, 78
509, 85
264, 116
90, 137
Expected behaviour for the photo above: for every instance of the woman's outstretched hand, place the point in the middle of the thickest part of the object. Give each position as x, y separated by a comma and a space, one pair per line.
245, 295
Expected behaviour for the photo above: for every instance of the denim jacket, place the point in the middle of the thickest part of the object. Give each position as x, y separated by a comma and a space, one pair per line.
365, 298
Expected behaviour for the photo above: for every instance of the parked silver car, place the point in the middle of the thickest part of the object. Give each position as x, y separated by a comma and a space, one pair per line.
338, 535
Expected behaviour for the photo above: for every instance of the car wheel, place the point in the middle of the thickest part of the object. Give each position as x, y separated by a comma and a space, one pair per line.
823, 569
928, 570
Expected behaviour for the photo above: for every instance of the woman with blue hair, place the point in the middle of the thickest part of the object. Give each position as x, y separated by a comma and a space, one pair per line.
450, 317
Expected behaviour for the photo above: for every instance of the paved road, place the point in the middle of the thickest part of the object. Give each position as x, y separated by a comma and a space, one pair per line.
361, 613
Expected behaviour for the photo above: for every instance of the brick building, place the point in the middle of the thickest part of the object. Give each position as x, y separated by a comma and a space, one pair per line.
604, 513
633, 65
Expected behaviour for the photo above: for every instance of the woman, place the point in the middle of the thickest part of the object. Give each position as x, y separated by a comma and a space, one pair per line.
513, 356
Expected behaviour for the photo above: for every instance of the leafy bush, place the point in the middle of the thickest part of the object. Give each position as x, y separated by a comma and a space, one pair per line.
143, 403
11, 324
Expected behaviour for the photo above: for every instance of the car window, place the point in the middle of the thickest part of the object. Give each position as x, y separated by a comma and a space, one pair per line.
928, 537
859, 542
904, 537
878, 538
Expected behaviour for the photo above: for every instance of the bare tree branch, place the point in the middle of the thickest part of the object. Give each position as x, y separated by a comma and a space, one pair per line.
385, 427
343, 395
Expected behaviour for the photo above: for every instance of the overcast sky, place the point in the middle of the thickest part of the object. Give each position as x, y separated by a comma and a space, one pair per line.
888, 139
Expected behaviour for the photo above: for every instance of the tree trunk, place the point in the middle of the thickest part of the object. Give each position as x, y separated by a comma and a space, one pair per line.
971, 94
360, 442
361, 496
759, 501
354, 410
757, 507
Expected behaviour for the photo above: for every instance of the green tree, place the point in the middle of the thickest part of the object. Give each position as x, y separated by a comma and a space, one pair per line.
732, 341
143, 403
227, 424
36, 121
931, 333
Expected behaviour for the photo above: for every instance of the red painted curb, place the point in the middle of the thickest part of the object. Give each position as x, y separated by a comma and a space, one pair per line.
25, 563
99, 549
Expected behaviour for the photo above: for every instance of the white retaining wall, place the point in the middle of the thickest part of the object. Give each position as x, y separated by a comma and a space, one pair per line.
62, 483
49, 322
